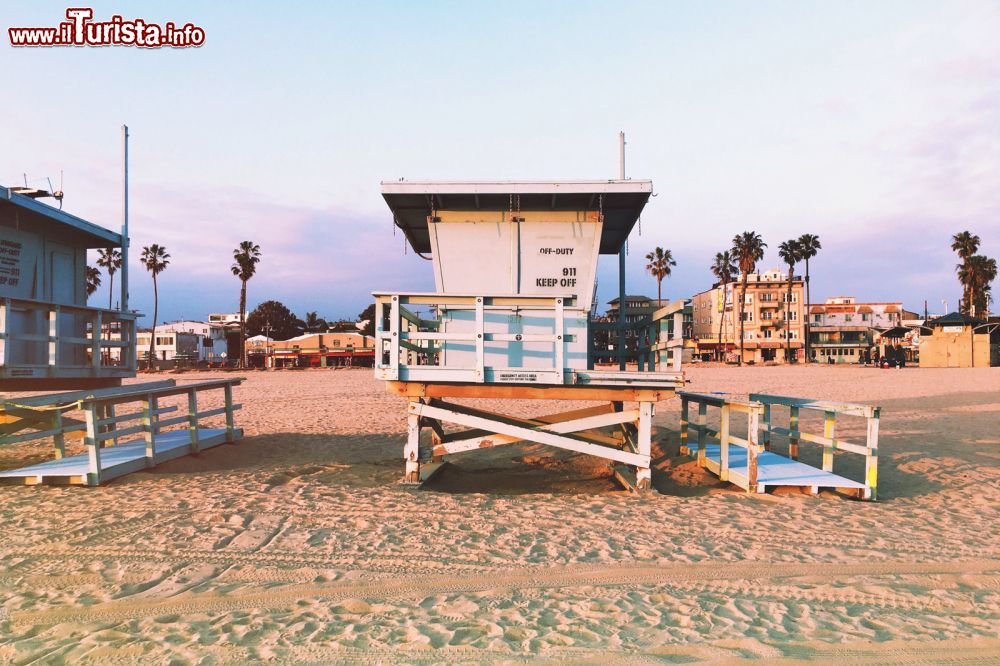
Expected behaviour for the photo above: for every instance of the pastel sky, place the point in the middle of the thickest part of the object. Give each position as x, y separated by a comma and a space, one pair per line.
875, 125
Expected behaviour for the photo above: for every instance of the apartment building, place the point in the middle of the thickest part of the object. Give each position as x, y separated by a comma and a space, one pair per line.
842, 330
768, 319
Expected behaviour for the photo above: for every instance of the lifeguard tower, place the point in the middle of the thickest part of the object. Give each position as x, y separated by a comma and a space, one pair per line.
515, 272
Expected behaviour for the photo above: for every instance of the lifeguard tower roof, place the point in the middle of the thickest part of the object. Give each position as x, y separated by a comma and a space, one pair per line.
621, 201
21, 211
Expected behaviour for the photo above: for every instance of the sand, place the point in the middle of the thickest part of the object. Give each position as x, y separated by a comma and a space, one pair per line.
298, 545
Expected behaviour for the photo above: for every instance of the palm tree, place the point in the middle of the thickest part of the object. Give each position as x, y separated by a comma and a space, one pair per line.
155, 258
246, 256
966, 244
809, 246
314, 323
977, 273
748, 249
110, 260
660, 263
93, 280
791, 253
723, 269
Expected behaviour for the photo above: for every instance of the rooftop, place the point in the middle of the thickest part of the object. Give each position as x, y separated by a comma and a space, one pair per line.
18, 209
622, 201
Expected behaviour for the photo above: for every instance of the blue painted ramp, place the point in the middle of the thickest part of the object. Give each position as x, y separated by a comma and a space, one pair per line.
777, 470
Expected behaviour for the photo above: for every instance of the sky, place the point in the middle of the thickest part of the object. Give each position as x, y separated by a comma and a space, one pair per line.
875, 125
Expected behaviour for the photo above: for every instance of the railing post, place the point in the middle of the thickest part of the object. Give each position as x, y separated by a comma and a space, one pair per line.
193, 420
753, 446
871, 459
767, 426
395, 332
684, 426
93, 445
793, 439
724, 443
4, 332
112, 413
702, 424
230, 420
829, 432
96, 324
149, 428
53, 338
480, 340
560, 344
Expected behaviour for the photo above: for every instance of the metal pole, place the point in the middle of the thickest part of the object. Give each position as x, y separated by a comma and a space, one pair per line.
621, 265
124, 287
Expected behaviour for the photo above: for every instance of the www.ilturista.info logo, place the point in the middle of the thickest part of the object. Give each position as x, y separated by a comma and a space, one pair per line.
80, 30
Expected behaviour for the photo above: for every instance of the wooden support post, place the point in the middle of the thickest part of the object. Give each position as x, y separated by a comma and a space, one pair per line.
193, 421
93, 446
643, 476
724, 443
793, 440
149, 428
560, 344
871, 460
767, 426
56, 423
702, 421
230, 420
829, 432
411, 452
5, 313
684, 427
96, 339
753, 447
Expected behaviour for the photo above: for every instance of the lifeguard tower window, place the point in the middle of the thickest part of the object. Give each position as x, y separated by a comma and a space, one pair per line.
49, 337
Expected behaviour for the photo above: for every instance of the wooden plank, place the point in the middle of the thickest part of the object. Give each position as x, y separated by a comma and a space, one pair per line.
852, 409
644, 438
871, 460
829, 430
724, 444
93, 447
193, 420
411, 452
230, 418
527, 392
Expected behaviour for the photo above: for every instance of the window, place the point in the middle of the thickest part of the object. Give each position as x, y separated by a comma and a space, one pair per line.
165, 340
336, 343
817, 319
766, 315
768, 333
794, 315
848, 317
748, 315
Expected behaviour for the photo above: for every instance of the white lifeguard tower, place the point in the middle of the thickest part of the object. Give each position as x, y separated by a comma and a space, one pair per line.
515, 267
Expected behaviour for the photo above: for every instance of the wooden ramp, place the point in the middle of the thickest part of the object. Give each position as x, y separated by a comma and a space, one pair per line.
775, 470
116, 461
123, 429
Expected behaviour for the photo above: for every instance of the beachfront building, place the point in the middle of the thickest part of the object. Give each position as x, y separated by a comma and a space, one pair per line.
320, 350
768, 318
44, 317
675, 333
227, 319
959, 341
842, 330
211, 338
637, 309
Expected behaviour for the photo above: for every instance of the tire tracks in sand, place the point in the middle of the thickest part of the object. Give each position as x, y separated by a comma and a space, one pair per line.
419, 586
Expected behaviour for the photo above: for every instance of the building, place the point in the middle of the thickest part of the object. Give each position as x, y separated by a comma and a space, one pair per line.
212, 345
224, 318
675, 333
45, 322
841, 330
320, 350
768, 319
637, 309
171, 347
960, 341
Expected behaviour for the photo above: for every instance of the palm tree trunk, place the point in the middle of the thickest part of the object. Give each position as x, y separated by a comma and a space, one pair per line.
152, 335
805, 313
111, 293
722, 321
243, 326
788, 316
743, 305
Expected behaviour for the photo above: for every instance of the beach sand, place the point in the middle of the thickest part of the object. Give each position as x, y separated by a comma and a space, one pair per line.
297, 544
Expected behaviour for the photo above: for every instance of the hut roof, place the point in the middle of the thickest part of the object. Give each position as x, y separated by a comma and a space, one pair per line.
21, 210
955, 319
622, 201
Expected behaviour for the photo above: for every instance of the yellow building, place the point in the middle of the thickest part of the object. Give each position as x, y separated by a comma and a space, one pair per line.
324, 349
768, 319
960, 341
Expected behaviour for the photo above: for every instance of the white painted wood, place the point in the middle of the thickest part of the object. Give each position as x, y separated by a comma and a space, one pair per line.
643, 477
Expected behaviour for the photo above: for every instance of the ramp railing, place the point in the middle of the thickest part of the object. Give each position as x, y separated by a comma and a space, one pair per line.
828, 440
744, 477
